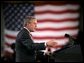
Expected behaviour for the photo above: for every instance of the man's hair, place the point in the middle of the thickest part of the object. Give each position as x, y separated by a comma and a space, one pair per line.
28, 19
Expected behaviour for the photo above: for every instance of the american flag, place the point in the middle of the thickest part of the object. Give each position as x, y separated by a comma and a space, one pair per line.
54, 20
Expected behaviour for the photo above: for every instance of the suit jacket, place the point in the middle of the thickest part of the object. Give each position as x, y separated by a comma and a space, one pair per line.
25, 47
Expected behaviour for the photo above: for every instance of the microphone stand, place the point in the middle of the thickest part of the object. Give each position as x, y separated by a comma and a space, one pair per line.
68, 45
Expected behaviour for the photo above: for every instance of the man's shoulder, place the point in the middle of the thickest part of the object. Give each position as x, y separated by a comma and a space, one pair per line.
23, 31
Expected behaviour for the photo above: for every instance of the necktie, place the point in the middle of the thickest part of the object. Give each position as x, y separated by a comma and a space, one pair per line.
31, 36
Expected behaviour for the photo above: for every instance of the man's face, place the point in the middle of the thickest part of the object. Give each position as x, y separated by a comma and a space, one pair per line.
32, 26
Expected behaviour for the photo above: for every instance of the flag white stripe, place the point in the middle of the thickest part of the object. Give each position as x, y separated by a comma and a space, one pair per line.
10, 32
59, 41
54, 33
56, 8
57, 16
57, 25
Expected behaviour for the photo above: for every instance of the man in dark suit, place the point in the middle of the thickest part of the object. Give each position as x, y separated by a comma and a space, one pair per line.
25, 47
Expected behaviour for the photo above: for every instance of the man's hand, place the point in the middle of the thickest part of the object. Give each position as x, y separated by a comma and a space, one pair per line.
51, 43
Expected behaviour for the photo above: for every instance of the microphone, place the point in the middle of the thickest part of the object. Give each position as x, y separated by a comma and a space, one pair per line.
67, 35
72, 40
70, 37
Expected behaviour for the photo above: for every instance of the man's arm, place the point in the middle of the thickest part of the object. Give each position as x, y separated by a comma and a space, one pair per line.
31, 45
25, 39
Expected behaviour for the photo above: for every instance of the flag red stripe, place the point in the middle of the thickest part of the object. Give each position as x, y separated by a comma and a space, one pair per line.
56, 12
55, 20
56, 29
47, 37
9, 36
6, 43
40, 3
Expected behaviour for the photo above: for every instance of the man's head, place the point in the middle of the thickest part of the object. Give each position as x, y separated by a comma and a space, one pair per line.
30, 23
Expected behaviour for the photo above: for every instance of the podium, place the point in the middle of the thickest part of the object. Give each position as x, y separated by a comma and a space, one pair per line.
71, 54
